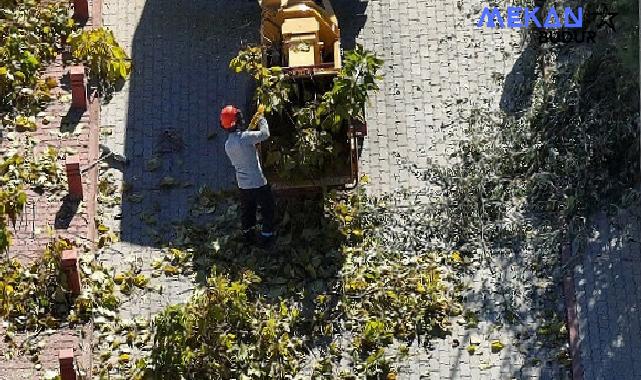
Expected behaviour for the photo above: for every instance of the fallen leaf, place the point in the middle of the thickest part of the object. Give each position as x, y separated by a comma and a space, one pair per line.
496, 346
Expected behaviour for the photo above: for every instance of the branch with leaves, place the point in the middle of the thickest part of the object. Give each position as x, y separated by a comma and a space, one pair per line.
311, 148
31, 35
106, 60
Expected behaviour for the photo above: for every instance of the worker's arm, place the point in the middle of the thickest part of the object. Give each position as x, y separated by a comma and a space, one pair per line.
255, 137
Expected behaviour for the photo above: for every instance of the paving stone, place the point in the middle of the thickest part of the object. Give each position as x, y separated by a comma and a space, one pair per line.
609, 320
167, 109
433, 59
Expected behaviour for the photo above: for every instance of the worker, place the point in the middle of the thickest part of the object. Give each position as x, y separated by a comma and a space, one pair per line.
254, 189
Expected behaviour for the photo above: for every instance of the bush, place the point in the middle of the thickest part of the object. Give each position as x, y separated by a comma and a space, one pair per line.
262, 324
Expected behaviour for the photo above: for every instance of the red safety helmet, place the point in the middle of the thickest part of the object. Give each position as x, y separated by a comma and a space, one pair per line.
228, 117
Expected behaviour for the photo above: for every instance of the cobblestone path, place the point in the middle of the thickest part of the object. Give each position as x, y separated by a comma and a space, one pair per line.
439, 68
608, 289
164, 120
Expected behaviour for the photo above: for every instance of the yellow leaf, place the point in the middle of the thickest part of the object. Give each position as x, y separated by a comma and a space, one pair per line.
170, 270
456, 257
156, 264
141, 281
496, 346
51, 82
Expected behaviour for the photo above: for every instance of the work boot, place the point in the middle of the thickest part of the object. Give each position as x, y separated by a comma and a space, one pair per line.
266, 241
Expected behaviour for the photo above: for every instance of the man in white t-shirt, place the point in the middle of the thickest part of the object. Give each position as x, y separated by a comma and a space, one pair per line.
254, 190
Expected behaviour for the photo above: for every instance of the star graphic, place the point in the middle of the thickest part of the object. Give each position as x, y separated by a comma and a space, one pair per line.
607, 18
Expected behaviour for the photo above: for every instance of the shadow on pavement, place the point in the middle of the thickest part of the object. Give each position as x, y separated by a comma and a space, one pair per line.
352, 17
304, 263
180, 81
586, 77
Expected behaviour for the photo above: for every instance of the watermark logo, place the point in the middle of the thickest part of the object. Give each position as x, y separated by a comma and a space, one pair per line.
553, 26
518, 17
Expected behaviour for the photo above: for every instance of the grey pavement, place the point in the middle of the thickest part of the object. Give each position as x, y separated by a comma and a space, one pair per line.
438, 68
164, 121
608, 289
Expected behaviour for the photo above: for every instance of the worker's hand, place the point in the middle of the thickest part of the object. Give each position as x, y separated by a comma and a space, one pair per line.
253, 125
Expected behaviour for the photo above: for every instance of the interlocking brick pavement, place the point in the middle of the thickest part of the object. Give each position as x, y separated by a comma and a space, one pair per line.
164, 120
608, 290
438, 68
168, 109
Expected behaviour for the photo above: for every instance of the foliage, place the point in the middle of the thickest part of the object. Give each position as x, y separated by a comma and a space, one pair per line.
16, 174
31, 34
624, 43
308, 154
328, 277
7, 4
130, 279
272, 90
223, 333
388, 294
34, 296
97, 298
314, 142
576, 148
98, 49
519, 182
350, 92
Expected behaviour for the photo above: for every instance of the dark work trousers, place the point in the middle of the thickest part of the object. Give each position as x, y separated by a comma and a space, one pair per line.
250, 199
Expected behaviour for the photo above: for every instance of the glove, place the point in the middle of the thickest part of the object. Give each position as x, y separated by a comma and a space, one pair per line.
260, 112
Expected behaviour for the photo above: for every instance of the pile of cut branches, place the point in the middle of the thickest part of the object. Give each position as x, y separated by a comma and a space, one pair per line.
309, 128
